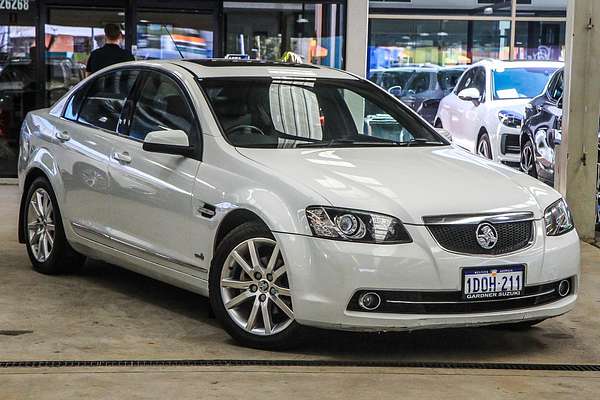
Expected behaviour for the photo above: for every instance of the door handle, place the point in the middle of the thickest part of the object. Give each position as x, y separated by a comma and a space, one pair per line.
63, 136
122, 157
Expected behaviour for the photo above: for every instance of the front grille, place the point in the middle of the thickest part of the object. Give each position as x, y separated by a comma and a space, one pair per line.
452, 302
462, 238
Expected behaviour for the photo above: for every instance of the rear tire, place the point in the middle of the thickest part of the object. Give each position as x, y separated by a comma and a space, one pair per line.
47, 246
484, 147
250, 291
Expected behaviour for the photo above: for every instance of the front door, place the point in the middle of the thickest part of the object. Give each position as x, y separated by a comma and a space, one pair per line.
151, 193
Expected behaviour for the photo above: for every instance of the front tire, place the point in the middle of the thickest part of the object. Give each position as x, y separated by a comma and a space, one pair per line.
250, 291
45, 239
528, 159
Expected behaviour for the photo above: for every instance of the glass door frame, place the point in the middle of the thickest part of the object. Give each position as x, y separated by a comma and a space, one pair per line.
213, 7
222, 23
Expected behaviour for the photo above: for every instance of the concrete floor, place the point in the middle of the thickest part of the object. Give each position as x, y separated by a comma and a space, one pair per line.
106, 312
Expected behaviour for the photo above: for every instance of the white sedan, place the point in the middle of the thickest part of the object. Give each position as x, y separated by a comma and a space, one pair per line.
485, 111
292, 196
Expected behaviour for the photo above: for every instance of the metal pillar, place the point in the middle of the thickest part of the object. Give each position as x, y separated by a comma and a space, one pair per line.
357, 23
577, 155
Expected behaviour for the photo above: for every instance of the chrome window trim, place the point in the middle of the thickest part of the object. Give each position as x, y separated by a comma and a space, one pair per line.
141, 249
473, 219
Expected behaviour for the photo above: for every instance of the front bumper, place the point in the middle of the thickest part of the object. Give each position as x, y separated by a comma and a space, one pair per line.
325, 274
506, 145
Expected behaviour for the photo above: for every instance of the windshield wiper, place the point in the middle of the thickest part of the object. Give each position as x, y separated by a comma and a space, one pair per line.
373, 141
421, 142
341, 142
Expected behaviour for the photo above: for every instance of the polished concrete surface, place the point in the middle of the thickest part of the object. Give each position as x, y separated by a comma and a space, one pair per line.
106, 312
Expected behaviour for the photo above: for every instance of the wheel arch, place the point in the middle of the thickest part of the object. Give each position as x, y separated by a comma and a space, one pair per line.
31, 176
232, 220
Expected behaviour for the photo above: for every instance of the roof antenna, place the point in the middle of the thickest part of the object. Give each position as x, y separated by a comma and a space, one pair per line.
173, 40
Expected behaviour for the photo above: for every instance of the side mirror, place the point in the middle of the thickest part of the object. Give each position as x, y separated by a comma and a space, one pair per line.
559, 104
443, 132
470, 94
168, 142
395, 91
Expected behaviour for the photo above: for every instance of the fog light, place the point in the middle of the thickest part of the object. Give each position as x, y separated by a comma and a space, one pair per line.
369, 301
564, 287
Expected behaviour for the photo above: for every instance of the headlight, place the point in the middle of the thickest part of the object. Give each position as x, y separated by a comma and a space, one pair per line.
355, 225
511, 119
558, 218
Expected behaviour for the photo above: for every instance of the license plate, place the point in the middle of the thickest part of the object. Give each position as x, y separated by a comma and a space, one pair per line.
493, 282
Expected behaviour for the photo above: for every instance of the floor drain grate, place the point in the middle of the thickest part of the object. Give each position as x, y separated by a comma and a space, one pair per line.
298, 363
13, 332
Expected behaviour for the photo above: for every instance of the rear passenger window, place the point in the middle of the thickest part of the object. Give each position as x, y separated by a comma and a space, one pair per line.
161, 106
106, 98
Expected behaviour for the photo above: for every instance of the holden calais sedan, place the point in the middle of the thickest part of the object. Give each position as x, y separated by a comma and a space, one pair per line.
265, 187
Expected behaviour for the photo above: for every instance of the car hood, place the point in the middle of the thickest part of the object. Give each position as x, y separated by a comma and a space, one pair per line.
517, 105
409, 183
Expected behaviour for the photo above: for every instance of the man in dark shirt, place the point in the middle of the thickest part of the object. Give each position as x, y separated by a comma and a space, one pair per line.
111, 53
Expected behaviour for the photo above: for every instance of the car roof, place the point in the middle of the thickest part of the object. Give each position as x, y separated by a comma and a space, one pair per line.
225, 68
496, 64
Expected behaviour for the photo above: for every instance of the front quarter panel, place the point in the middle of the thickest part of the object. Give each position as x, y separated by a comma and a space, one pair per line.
229, 181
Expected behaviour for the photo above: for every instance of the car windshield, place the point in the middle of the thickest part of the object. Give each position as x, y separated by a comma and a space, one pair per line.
268, 113
520, 83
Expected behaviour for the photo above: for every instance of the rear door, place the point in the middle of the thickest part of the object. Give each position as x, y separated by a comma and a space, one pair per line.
86, 132
151, 193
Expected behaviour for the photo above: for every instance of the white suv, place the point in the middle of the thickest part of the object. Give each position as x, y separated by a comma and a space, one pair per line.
485, 111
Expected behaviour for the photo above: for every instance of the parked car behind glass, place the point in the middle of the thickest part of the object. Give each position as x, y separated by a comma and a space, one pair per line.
484, 113
419, 87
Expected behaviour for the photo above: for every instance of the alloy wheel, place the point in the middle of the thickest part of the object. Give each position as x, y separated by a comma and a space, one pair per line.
483, 149
255, 287
527, 159
41, 229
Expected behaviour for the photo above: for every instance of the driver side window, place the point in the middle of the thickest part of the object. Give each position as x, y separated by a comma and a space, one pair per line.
161, 106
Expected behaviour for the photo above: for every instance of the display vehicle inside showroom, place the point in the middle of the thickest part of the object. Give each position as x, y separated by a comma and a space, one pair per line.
276, 252
303, 198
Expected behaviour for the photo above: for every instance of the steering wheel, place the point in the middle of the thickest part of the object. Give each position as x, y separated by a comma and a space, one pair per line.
239, 127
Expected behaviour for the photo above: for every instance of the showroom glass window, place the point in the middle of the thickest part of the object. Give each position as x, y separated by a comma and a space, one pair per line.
71, 35
461, 32
540, 40
173, 34
267, 31
18, 88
